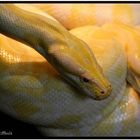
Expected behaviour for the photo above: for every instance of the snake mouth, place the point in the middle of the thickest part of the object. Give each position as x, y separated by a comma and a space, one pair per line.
103, 94
100, 94
102, 97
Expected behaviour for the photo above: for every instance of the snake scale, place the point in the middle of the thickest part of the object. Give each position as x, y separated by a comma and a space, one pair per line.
34, 90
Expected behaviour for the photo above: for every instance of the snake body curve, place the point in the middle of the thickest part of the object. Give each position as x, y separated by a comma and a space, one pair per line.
76, 15
59, 47
74, 116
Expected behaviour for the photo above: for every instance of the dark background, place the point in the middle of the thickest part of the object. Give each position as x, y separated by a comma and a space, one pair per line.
18, 128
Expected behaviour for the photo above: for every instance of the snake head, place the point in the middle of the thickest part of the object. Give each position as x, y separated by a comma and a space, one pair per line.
79, 67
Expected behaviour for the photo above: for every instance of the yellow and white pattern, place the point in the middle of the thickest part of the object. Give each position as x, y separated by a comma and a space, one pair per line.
31, 89
75, 15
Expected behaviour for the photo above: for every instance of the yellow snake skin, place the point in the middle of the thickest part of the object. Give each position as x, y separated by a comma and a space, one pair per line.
76, 15
31, 89
62, 49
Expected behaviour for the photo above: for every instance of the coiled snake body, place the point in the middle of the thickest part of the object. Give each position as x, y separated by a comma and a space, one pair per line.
33, 91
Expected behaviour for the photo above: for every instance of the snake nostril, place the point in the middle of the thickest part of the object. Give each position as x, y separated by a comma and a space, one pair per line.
102, 92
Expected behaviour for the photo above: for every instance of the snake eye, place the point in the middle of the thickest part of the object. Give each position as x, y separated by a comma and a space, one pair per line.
85, 80
102, 92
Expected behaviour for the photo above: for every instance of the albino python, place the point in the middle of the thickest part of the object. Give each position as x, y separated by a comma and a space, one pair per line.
32, 90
